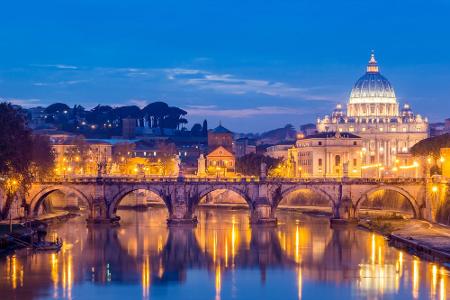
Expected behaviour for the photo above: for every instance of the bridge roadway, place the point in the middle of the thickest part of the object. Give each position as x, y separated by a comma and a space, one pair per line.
182, 195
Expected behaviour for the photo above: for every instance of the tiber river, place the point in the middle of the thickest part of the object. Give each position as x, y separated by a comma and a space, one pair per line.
222, 258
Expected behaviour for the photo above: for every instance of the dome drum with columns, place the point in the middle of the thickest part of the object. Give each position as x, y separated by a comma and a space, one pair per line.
373, 113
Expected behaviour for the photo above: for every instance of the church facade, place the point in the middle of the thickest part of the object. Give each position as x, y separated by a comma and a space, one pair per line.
374, 114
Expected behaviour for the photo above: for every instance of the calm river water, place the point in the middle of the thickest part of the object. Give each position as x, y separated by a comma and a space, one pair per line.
222, 258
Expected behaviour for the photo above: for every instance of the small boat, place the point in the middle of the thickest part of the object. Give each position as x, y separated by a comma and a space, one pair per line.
48, 246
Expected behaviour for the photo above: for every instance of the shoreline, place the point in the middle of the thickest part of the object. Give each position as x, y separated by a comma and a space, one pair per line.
417, 237
24, 230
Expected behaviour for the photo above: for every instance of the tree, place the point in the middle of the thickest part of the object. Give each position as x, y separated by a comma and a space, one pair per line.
174, 118
131, 111
57, 108
431, 146
23, 158
166, 157
154, 113
78, 155
160, 115
42, 157
205, 128
196, 130
250, 164
121, 154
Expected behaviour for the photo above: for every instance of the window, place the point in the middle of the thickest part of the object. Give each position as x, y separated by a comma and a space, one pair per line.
337, 160
320, 162
320, 143
354, 162
355, 143
372, 159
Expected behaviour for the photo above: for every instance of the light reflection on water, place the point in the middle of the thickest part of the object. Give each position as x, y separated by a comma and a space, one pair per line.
222, 258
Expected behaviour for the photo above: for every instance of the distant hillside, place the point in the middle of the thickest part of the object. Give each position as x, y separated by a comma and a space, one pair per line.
287, 133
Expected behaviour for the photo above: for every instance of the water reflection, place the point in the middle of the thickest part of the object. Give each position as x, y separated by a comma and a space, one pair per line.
222, 258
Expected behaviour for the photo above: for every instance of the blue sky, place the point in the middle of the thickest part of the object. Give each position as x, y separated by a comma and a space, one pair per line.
254, 65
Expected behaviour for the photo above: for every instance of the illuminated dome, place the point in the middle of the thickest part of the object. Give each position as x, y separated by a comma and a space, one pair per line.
372, 94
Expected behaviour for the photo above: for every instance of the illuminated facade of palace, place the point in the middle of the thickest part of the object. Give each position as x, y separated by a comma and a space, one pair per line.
373, 113
327, 154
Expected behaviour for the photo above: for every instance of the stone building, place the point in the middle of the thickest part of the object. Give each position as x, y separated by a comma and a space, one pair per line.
327, 154
71, 160
373, 114
244, 146
445, 162
220, 162
220, 136
278, 151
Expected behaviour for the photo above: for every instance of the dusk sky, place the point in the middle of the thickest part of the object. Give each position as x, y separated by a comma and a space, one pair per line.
254, 65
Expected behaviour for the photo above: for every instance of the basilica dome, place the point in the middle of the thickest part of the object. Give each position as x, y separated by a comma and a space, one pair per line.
372, 87
372, 95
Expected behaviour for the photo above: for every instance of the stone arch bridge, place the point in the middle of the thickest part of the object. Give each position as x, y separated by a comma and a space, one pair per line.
182, 195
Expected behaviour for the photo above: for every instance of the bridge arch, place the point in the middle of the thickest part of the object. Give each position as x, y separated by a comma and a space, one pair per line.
117, 198
320, 191
37, 200
203, 192
412, 201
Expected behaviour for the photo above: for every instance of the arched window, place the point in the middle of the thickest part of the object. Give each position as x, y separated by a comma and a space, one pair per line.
337, 160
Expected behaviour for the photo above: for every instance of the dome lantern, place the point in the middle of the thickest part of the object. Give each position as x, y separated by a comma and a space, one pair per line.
372, 67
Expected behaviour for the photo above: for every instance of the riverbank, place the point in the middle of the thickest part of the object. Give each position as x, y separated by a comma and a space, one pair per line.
421, 238
22, 231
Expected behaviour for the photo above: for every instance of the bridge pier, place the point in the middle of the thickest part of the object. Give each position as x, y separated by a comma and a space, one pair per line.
98, 213
344, 212
262, 213
180, 214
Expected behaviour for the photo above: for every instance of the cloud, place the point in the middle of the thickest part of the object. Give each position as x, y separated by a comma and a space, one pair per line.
40, 84
57, 66
139, 102
213, 110
230, 84
60, 83
22, 102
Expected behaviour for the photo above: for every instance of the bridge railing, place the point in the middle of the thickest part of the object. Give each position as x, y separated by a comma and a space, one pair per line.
247, 179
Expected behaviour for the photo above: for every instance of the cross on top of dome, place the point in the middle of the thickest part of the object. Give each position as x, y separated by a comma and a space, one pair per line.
372, 67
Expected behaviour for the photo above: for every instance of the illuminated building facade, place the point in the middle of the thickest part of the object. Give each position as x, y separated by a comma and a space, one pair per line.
69, 160
220, 161
373, 113
327, 154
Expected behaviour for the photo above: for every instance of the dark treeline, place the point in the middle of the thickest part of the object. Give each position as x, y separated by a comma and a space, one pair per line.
250, 164
105, 121
24, 158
